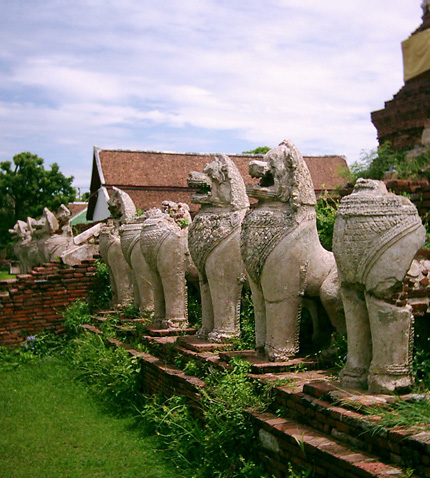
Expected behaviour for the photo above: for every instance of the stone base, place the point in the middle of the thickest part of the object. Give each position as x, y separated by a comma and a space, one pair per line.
354, 378
219, 336
176, 323
261, 364
195, 343
381, 383
156, 331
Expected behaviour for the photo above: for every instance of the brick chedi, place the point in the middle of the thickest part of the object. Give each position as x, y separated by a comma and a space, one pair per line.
405, 120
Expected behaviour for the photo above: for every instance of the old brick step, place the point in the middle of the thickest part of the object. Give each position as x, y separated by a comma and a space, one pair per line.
261, 365
153, 331
197, 344
286, 440
326, 407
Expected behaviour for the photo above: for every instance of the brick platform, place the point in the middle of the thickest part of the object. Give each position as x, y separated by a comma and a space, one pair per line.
33, 302
322, 426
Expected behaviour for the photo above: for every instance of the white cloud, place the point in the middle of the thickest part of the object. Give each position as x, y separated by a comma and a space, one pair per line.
182, 75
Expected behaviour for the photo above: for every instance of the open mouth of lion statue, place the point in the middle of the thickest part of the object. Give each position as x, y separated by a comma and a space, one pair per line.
201, 184
266, 185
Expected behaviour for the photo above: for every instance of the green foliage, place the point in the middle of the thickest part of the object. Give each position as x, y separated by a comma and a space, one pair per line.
259, 150
26, 187
421, 362
326, 215
194, 306
100, 295
75, 315
111, 373
402, 413
376, 163
85, 197
41, 345
129, 311
224, 443
246, 340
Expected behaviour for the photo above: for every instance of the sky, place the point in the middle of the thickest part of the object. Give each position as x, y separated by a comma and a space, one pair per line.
196, 75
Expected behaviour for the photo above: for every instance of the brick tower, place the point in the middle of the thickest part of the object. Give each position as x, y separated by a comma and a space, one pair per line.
405, 120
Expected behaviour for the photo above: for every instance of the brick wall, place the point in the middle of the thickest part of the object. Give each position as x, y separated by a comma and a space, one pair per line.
33, 302
419, 192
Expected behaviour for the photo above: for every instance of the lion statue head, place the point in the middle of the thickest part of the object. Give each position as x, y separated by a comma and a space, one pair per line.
121, 206
284, 177
220, 185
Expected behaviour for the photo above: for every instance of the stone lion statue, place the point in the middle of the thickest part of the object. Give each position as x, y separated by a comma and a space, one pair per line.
283, 256
141, 275
22, 236
164, 244
376, 237
122, 209
214, 242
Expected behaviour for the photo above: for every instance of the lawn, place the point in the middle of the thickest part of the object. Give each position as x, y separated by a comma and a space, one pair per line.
52, 427
4, 274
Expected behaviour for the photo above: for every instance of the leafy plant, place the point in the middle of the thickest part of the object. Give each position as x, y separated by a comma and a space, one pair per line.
194, 306
223, 444
376, 163
75, 315
421, 362
259, 150
326, 215
100, 294
110, 372
246, 340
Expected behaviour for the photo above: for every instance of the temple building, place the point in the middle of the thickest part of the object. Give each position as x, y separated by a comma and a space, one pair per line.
405, 120
149, 177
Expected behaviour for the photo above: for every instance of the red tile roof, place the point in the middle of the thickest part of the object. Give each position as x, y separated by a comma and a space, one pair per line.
149, 177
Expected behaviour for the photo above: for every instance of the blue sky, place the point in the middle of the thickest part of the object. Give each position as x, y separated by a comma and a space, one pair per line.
196, 75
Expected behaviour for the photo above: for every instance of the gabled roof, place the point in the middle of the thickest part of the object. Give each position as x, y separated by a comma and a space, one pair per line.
149, 177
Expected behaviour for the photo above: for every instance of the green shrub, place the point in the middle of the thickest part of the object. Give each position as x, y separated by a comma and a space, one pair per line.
110, 372
224, 444
326, 215
75, 315
194, 306
376, 163
100, 294
421, 362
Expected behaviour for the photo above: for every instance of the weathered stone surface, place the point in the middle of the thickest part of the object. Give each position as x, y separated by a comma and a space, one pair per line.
122, 209
141, 275
375, 239
214, 242
284, 259
164, 244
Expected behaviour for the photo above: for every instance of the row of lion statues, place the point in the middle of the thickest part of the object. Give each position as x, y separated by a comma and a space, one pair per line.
274, 247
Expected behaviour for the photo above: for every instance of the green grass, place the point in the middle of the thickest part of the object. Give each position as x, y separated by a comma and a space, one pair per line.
405, 414
52, 427
5, 275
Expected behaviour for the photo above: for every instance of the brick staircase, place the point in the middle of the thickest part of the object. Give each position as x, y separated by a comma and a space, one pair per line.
312, 422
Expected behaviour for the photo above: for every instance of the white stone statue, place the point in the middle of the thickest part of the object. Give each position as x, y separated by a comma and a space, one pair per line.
214, 242
33, 256
376, 236
21, 233
141, 275
164, 245
122, 209
53, 237
283, 256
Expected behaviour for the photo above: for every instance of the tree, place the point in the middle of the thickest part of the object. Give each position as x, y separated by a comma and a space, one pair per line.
259, 150
26, 187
